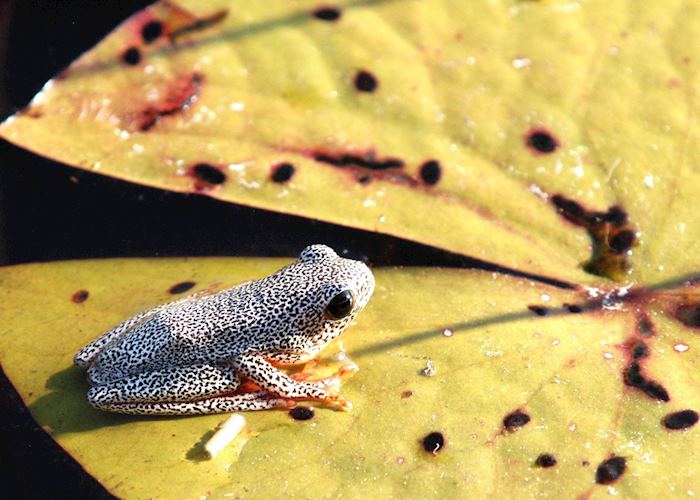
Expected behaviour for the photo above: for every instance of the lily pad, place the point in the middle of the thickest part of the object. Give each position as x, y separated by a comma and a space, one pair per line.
522, 370
440, 122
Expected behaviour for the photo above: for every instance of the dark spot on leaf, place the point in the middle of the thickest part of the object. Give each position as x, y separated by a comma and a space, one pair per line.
541, 141
80, 296
32, 111
640, 350
431, 172
368, 161
406, 394
645, 328
301, 413
612, 237
181, 287
208, 174
365, 81
610, 470
131, 56
689, 315
585, 463
539, 310
515, 420
367, 166
569, 209
282, 172
573, 308
680, 419
434, 442
151, 31
327, 13
546, 460
622, 241
633, 377
616, 216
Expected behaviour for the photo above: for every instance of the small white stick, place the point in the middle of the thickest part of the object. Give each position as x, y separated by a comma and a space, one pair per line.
228, 430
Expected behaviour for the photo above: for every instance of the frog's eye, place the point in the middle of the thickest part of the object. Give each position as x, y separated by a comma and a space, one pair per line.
340, 305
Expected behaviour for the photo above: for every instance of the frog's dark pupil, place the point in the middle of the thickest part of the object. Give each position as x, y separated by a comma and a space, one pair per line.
340, 305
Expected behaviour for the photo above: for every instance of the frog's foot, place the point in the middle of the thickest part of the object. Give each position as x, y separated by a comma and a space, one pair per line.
339, 403
333, 383
335, 401
306, 372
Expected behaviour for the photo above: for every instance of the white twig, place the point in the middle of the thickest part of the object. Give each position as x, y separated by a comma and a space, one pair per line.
228, 430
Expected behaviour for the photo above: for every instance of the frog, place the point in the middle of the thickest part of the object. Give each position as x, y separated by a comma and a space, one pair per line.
196, 355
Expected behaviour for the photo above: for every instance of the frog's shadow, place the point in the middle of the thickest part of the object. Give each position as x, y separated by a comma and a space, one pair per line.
65, 409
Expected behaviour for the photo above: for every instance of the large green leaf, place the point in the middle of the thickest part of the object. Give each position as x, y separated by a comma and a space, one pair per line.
564, 370
244, 88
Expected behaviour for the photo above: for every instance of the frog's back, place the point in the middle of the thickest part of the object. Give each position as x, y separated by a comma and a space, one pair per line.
203, 329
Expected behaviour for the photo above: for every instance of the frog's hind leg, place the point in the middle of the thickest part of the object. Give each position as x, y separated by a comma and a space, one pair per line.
87, 354
260, 400
170, 391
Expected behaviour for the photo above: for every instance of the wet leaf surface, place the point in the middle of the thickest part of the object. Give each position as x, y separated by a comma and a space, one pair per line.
510, 387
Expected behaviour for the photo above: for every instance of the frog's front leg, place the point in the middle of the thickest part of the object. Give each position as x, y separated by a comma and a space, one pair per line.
183, 390
269, 378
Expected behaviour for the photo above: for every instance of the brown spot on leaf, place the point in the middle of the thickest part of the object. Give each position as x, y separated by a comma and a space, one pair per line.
151, 31
622, 241
430, 172
573, 308
207, 176
609, 231
633, 377
688, 314
610, 470
639, 350
365, 81
301, 413
644, 327
546, 460
131, 56
539, 310
327, 13
541, 141
181, 287
406, 394
433, 443
32, 111
367, 166
80, 296
680, 419
282, 172
513, 421
180, 96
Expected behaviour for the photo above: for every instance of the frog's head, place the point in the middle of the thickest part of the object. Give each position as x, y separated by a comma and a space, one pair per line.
337, 290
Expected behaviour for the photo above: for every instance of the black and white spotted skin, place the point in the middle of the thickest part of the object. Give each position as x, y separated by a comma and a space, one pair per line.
187, 356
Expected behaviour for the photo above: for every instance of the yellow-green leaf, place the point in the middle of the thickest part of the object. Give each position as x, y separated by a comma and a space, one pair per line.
245, 88
564, 370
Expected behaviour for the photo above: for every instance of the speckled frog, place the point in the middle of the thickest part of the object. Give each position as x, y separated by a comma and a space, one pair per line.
188, 356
